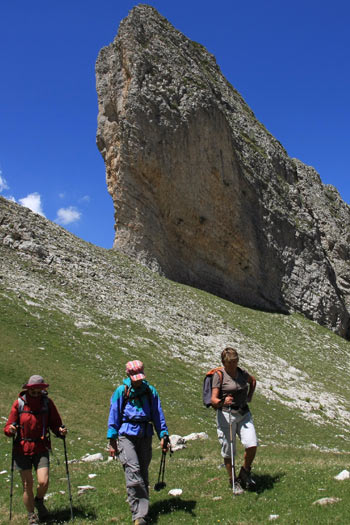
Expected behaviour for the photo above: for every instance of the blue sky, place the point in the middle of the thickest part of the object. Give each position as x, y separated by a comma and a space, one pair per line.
289, 60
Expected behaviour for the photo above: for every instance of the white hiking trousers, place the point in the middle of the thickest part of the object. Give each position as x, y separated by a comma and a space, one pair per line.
242, 425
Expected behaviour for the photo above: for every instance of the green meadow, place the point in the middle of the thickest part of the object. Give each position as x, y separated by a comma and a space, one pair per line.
304, 438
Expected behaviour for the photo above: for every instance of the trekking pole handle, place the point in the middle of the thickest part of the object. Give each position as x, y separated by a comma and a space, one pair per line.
63, 436
167, 445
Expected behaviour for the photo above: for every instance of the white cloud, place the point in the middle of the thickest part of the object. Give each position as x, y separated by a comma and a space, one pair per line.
67, 215
33, 202
86, 198
3, 183
10, 198
61, 195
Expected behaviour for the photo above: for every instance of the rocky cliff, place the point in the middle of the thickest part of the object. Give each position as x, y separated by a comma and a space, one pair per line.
203, 193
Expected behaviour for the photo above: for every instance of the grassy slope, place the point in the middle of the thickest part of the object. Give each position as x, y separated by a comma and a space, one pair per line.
84, 366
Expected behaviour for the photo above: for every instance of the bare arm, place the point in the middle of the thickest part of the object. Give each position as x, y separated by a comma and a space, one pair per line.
252, 385
217, 402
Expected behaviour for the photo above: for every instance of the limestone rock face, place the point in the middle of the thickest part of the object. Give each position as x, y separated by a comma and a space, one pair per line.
203, 193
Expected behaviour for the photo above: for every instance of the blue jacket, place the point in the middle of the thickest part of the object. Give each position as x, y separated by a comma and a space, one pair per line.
141, 408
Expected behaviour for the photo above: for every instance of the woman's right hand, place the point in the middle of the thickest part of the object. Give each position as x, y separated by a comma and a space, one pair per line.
228, 400
12, 429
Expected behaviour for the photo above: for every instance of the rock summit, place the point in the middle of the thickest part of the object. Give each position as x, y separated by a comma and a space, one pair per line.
203, 193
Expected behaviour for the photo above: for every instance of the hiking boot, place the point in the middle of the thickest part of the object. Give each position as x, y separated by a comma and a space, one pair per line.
237, 488
33, 518
140, 521
246, 479
42, 510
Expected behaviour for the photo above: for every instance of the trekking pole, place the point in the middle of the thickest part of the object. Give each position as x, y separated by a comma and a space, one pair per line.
232, 457
67, 472
12, 463
161, 484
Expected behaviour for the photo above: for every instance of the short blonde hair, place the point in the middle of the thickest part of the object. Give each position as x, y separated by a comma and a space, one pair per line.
229, 354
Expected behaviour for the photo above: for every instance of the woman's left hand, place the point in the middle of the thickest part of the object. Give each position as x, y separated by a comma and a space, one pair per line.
164, 445
63, 431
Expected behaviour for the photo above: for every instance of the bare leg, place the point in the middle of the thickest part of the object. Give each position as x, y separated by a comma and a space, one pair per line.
228, 467
249, 456
42, 475
28, 496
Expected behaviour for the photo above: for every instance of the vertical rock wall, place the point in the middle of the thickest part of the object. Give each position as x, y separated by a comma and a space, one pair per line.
202, 191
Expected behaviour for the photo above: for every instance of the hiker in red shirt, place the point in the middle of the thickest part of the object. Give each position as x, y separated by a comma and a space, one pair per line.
32, 415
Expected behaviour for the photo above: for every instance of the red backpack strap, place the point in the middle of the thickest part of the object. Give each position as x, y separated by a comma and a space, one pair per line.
220, 372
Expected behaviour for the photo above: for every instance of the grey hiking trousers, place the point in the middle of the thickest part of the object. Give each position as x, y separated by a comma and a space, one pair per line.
135, 454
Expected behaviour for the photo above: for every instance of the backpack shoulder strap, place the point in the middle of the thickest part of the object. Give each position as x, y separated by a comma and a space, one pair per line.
45, 407
149, 395
126, 396
219, 370
20, 406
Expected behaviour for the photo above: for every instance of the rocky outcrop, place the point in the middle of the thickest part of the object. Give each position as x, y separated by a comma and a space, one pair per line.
203, 193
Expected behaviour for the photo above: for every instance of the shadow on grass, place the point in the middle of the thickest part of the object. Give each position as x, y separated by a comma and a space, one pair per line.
266, 482
167, 506
64, 515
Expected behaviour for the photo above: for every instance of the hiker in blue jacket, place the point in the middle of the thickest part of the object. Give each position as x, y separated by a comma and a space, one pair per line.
135, 405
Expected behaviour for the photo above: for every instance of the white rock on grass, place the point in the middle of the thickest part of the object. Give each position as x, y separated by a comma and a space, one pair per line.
3, 472
84, 488
175, 492
89, 458
326, 501
344, 474
273, 517
177, 442
177, 447
175, 439
92, 476
196, 435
